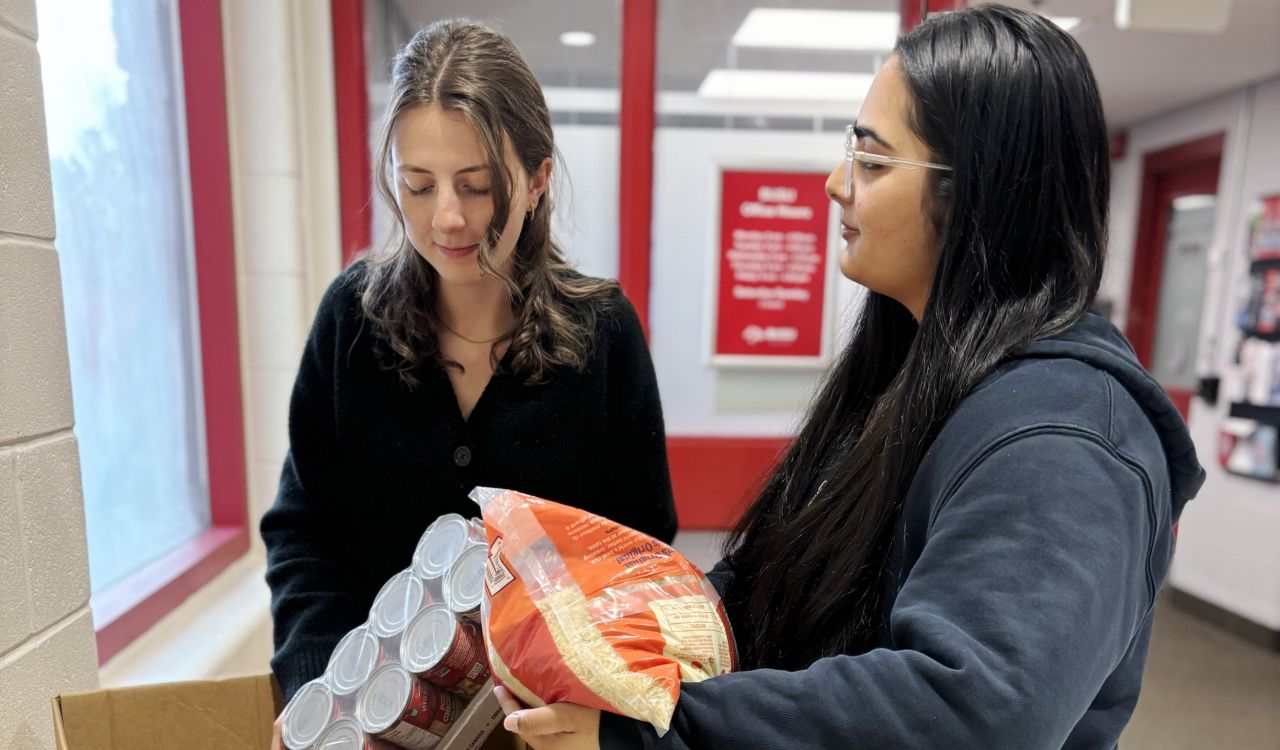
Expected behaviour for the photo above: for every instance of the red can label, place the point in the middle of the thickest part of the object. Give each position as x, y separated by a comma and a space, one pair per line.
464, 669
426, 719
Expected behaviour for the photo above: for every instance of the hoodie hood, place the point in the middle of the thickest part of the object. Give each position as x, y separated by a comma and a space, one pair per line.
1096, 342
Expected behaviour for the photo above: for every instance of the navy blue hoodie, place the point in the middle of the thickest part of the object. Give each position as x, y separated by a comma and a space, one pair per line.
1031, 546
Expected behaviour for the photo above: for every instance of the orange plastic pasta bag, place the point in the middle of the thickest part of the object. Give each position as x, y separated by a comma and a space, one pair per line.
581, 609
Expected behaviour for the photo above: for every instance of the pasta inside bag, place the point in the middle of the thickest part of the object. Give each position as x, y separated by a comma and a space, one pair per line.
581, 609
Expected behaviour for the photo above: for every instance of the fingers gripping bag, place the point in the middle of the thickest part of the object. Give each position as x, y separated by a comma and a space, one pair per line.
580, 609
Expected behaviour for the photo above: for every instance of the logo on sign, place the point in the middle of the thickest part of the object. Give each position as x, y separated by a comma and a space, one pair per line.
756, 335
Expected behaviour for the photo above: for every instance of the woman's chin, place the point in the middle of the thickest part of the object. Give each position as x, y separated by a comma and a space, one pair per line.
454, 271
850, 263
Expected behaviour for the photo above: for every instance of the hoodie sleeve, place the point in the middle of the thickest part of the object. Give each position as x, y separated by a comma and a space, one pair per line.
1032, 584
722, 576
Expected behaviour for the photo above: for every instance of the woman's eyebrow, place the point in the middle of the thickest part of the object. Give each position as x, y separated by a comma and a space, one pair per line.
862, 131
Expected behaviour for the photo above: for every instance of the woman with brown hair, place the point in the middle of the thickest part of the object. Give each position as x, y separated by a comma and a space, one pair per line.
466, 352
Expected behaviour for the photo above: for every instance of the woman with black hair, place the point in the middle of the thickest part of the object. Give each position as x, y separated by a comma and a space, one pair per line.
963, 546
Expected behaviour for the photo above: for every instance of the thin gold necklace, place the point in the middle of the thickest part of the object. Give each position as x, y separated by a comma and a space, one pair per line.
471, 340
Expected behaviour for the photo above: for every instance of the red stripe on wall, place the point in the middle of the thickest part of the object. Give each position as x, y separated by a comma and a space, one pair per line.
715, 477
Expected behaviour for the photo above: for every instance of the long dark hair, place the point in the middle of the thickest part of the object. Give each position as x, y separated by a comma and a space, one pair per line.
1009, 101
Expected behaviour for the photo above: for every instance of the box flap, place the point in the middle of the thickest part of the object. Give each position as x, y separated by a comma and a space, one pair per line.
59, 734
230, 714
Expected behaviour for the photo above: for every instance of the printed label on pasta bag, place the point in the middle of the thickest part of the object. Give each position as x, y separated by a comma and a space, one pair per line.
497, 576
695, 636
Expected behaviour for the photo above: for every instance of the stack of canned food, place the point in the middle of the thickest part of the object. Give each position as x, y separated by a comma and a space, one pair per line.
405, 675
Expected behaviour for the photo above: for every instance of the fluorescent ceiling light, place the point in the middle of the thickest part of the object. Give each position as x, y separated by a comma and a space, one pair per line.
605, 101
785, 84
577, 39
859, 30
1175, 16
871, 31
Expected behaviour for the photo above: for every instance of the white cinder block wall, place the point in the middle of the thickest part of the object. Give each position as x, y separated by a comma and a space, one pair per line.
272, 103
279, 59
46, 630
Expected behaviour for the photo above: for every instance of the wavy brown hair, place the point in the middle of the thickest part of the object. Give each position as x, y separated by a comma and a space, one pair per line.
466, 67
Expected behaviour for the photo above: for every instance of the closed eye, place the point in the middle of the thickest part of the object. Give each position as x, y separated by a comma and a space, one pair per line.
871, 162
466, 189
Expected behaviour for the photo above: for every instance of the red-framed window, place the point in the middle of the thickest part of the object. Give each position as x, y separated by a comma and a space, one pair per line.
137, 116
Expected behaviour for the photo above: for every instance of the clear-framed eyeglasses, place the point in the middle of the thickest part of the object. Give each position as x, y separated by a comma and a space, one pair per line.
852, 155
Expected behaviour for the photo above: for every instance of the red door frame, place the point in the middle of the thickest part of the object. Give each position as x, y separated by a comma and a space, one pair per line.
128, 609
351, 102
635, 162
711, 476
1189, 168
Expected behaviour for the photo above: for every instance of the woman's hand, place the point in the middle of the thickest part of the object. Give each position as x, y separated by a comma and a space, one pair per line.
560, 726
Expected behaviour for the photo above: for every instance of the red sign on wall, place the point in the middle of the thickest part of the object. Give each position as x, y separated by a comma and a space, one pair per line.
771, 299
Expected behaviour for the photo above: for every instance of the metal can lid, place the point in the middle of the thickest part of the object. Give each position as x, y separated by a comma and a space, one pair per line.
433, 589
428, 638
443, 541
342, 734
307, 715
356, 656
396, 604
464, 586
384, 698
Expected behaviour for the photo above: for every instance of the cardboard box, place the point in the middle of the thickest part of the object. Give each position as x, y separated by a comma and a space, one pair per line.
230, 714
